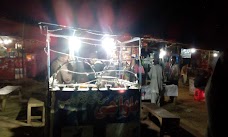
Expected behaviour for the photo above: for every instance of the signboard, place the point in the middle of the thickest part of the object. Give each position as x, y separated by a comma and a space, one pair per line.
88, 107
186, 53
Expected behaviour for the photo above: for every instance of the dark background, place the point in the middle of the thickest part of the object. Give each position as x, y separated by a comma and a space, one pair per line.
201, 23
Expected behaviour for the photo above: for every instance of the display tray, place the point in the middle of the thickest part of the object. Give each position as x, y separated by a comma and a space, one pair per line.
87, 87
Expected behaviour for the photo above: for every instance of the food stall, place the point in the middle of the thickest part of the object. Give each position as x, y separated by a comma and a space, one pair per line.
96, 103
12, 61
200, 63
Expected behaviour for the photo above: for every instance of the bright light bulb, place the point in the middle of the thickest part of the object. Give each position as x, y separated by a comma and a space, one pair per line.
215, 55
10, 41
108, 44
74, 44
7, 41
162, 53
193, 50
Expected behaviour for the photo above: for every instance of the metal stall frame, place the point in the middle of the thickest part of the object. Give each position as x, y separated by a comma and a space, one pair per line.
51, 97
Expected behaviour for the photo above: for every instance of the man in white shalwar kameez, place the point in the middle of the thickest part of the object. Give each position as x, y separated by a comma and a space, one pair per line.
156, 83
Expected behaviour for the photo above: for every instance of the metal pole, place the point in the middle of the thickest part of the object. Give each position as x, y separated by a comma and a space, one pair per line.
120, 63
140, 64
49, 103
48, 54
140, 84
22, 58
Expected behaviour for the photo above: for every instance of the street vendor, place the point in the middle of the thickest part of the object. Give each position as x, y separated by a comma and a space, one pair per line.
63, 76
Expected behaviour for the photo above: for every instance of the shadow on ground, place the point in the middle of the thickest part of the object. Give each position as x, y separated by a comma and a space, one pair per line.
148, 132
28, 131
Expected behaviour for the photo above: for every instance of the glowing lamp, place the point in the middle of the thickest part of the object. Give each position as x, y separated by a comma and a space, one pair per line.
215, 55
29, 57
162, 53
74, 44
193, 50
108, 44
121, 91
7, 41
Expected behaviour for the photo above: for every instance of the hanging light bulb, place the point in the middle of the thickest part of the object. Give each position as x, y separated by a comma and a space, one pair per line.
108, 44
74, 43
193, 50
162, 53
215, 55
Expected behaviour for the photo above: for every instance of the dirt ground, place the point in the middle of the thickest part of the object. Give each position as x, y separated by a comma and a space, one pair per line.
193, 114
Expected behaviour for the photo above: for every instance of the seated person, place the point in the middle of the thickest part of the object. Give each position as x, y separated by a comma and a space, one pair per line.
98, 65
83, 68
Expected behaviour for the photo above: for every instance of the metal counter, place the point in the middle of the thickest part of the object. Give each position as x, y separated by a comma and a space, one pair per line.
96, 108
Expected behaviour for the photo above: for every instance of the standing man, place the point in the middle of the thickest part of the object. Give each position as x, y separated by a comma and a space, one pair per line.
184, 74
156, 84
174, 74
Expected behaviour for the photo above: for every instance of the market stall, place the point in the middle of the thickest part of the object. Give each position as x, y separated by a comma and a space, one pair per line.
94, 98
199, 64
12, 61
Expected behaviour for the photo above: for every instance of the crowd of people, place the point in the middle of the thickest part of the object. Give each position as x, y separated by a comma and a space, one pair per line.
159, 73
64, 73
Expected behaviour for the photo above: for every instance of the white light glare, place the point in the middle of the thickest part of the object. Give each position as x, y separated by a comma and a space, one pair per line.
162, 53
215, 54
74, 44
193, 50
6, 41
108, 44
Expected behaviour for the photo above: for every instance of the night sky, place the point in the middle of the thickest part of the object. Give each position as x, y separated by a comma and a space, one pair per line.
197, 22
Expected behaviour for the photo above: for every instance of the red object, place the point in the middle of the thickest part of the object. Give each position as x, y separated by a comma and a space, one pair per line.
7, 70
10, 68
199, 95
138, 69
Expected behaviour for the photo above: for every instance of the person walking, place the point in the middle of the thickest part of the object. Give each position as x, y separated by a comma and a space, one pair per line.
174, 74
184, 74
156, 84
